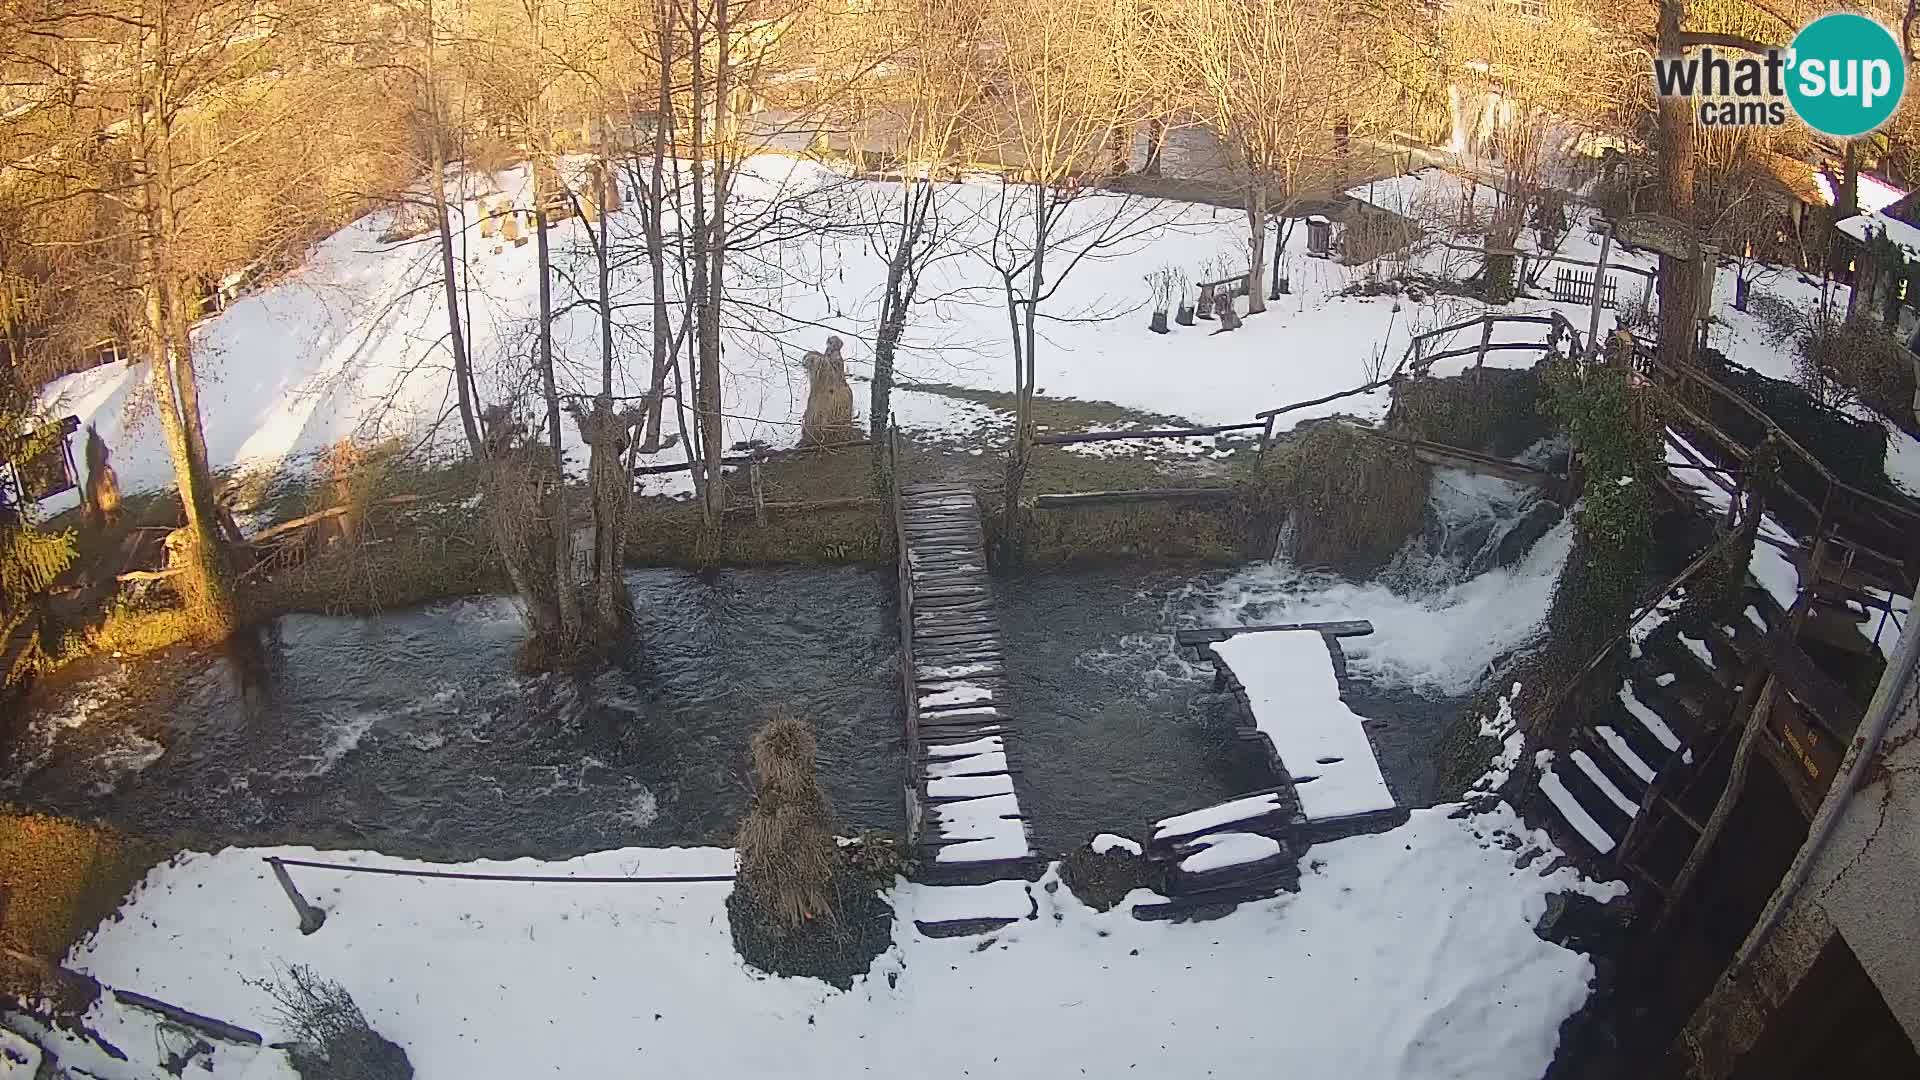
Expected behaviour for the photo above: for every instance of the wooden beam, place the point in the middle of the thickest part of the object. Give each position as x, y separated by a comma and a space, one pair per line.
1157, 433
1445, 456
1208, 635
1070, 500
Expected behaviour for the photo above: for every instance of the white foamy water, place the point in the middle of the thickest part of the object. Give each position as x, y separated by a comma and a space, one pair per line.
643, 811
36, 743
1431, 631
130, 758
342, 738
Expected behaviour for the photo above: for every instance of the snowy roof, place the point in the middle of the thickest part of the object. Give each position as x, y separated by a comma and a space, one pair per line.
1871, 194
1290, 683
1905, 235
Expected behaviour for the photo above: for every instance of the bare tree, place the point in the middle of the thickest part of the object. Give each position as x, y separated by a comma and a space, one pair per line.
942, 61
1064, 85
1272, 79
199, 169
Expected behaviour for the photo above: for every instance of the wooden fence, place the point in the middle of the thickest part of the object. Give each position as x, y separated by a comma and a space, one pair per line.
1576, 287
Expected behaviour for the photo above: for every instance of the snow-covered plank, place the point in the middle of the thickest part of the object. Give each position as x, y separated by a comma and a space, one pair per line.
1666, 679
1573, 813
1757, 619
1699, 649
970, 787
1648, 718
1624, 752
961, 694
989, 744
1107, 842
1290, 683
975, 819
1221, 850
1212, 817
1605, 783
1007, 844
958, 903
994, 761
931, 673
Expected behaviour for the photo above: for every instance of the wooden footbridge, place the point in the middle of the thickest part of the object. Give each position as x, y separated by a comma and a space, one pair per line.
963, 810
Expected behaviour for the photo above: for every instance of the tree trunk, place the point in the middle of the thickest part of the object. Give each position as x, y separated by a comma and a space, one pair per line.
437, 165
1256, 245
714, 254
565, 593
205, 585
706, 408
1679, 278
656, 233
1023, 319
1156, 143
450, 283
895, 300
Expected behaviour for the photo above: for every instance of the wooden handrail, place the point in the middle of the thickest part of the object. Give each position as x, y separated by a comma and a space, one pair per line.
1560, 697
1158, 433
1694, 374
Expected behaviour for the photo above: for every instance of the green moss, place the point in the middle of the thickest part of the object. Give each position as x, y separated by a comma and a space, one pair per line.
1349, 500
1493, 410
62, 877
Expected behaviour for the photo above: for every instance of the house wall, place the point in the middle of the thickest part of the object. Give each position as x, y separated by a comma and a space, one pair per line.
1861, 887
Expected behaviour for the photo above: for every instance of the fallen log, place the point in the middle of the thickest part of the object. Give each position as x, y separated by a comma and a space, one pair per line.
321, 515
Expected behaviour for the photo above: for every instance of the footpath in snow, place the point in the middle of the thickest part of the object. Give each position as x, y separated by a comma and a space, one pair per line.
1405, 954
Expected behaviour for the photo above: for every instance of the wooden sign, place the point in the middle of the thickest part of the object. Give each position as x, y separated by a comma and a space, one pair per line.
1658, 232
1809, 756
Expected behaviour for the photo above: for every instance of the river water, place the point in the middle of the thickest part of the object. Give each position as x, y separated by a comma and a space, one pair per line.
410, 733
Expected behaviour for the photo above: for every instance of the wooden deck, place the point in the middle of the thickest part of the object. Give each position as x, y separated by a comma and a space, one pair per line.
963, 806
1249, 847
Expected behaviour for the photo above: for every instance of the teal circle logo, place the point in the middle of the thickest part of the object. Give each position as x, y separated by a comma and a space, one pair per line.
1845, 75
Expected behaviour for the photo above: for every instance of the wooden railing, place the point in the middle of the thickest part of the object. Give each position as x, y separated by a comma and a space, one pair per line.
1827, 508
1417, 360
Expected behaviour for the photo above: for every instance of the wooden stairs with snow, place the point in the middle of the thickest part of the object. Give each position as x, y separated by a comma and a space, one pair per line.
963, 810
1630, 768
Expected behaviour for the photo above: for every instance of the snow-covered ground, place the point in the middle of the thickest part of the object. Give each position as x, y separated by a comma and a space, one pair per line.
353, 343
1405, 954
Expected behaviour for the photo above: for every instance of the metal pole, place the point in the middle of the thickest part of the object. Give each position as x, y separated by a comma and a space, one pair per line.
311, 918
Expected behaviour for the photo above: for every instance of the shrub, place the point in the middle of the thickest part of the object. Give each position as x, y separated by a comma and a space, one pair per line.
331, 1037
1349, 500
804, 904
1841, 360
1495, 410
1619, 440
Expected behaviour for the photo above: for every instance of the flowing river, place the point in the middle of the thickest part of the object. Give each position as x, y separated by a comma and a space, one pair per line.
411, 733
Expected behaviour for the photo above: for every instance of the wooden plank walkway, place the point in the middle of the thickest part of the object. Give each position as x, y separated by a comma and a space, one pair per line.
963, 807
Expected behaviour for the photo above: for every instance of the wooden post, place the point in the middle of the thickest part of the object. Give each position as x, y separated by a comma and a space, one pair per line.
1266, 437
759, 493
1599, 290
311, 918
1722, 810
1486, 339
